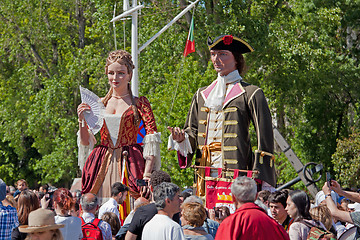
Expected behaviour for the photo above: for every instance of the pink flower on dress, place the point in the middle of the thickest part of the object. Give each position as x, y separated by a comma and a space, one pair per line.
228, 39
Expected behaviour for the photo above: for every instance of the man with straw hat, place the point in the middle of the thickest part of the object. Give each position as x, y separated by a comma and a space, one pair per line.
217, 125
42, 226
8, 215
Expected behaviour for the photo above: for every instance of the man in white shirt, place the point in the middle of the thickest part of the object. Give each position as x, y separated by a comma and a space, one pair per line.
161, 226
89, 205
118, 194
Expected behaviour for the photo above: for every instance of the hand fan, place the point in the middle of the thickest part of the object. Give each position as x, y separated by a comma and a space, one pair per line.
93, 117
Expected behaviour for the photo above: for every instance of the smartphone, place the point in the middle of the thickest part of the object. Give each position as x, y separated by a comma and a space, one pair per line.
328, 179
141, 182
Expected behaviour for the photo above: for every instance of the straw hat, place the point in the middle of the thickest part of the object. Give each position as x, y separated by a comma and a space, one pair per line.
40, 220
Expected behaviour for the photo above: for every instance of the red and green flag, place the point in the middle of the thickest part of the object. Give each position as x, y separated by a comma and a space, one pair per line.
190, 42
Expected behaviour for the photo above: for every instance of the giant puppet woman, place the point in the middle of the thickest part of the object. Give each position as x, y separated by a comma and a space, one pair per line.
122, 114
217, 126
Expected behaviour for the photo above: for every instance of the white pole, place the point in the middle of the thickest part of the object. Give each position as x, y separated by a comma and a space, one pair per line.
168, 25
134, 51
126, 5
114, 27
127, 13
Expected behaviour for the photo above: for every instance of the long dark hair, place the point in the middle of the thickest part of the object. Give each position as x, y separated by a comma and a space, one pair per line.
240, 62
27, 202
302, 203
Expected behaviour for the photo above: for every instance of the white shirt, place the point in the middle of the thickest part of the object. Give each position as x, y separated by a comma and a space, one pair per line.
110, 206
161, 227
72, 229
104, 226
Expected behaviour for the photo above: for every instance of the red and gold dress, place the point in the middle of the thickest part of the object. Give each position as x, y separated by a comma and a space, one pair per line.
105, 166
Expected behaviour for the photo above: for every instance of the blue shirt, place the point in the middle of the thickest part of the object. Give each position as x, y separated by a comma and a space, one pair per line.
8, 221
211, 226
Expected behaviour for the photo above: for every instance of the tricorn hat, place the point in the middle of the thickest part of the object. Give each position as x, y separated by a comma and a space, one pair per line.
229, 42
40, 220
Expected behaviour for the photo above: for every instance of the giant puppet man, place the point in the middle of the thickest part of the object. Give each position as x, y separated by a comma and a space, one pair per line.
217, 125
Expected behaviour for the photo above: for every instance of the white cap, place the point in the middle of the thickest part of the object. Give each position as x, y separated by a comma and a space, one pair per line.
355, 206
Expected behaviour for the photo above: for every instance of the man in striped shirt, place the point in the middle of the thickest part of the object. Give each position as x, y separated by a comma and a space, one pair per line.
8, 215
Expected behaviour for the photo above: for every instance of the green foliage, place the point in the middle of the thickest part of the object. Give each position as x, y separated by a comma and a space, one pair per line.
306, 60
346, 160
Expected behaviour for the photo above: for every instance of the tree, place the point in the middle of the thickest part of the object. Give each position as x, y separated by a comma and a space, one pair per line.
346, 160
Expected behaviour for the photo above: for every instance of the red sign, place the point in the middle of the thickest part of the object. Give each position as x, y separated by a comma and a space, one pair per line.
218, 193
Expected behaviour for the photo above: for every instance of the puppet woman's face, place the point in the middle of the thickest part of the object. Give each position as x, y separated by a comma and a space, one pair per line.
118, 75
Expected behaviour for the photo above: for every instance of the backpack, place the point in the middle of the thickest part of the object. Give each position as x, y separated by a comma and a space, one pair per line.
317, 233
91, 229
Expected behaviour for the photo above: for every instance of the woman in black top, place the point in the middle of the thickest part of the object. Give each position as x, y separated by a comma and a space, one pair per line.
27, 202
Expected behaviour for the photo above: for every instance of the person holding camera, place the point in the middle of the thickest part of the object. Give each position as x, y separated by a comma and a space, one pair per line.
343, 216
218, 214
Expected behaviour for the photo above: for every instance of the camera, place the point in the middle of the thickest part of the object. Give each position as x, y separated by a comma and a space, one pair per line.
328, 179
217, 212
141, 182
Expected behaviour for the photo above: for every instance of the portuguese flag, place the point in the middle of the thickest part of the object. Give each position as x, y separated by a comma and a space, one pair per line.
190, 43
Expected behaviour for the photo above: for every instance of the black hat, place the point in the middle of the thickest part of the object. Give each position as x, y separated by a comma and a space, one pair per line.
229, 42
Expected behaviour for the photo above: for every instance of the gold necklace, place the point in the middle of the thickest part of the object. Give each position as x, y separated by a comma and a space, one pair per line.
120, 97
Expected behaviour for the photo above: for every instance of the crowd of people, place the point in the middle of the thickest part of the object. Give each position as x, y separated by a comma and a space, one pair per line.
167, 212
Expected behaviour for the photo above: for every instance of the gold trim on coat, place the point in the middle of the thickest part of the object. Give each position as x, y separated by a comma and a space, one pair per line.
230, 135
230, 148
230, 109
231, 122
204, 122
204, 109
231, 161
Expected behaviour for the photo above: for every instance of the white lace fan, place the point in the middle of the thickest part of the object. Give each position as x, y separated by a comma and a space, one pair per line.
95, 116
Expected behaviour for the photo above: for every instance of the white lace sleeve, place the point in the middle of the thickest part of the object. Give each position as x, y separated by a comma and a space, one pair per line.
184, 147
152, 148
85, 150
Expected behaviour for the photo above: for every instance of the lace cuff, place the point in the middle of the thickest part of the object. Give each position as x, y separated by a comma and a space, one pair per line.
183, 148
152, 148
84, 150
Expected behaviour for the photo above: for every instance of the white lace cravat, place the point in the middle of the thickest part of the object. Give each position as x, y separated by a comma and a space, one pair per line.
216, 97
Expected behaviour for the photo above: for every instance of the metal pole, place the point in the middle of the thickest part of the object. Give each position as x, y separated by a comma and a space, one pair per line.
294, 160
134, 51
168, 25
114, 27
